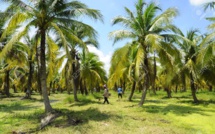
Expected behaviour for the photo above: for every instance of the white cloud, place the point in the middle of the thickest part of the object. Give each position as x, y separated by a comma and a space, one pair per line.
104, 58
199, 2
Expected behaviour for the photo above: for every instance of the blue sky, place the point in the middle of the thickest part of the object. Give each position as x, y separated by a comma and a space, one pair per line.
191, 15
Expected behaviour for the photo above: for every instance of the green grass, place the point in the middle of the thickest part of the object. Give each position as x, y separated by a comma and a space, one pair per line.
158, 115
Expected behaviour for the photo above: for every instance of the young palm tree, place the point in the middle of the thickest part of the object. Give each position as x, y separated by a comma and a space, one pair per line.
146, 27
125, 66
46, 15
92, 70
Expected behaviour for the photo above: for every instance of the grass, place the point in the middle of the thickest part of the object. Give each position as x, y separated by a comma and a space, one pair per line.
158, 115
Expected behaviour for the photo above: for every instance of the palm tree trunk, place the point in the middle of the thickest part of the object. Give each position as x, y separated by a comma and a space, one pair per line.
168, 91
7, 83
155, 74
210, 88
115, 87
54, 87
176, 88
38, 73
47, 104
30, 74
85, 89
184, 82
146, 78
124, 87
132, 91
14, 89
67, 79
75, 73
193, 89
81, 87
75, 81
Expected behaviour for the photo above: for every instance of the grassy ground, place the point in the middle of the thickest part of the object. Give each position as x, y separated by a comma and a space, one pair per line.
158, 115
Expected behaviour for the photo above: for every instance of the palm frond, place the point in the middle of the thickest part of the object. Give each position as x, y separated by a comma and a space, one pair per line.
210, 5
150, 13
13, 24
164, 19
120, 35
122, 20
11, 42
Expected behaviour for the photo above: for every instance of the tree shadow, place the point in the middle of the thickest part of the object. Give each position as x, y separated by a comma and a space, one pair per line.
201, 102
85, 102
11, 108
154, 101
176, 109
66, 118
72, 118
181, 97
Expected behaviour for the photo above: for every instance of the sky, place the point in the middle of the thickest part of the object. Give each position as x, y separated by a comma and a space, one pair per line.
191, 15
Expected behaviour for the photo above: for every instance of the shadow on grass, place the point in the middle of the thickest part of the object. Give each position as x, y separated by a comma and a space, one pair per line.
181, 97
11, 108
72, 118
65, 119
201, 102
84, 102
176, 109
136, 101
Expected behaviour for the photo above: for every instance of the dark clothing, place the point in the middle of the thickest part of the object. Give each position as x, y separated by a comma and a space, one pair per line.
106, 95
119, 95
106, 100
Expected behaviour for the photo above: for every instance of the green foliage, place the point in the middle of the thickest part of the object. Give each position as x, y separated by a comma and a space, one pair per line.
69, 99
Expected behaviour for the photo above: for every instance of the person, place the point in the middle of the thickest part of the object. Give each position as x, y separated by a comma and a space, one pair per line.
106, 95
119, 90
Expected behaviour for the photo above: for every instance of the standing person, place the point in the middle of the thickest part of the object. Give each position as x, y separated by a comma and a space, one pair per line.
106, 95
119, 90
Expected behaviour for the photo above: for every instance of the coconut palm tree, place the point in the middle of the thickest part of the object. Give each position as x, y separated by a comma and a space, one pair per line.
146, 27
190, 48
15, 59
46, 15
29, 46
92, 71
78, 37
125, 66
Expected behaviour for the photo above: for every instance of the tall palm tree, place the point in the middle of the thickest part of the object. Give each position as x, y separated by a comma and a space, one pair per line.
207, 54
146, 27
29, 46
78, 37
14, 57
54, 62
47, 15
189, 46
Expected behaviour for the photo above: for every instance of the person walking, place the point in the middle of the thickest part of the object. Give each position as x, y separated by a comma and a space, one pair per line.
106, 95
119, 90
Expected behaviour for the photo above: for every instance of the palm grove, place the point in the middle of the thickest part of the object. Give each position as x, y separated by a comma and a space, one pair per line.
160, 55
